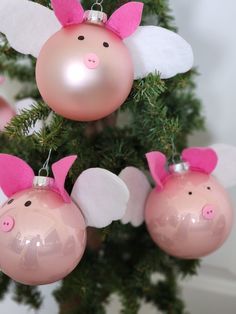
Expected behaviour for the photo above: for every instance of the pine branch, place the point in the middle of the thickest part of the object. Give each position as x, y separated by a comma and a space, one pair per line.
4, 285
27, 295
21, 124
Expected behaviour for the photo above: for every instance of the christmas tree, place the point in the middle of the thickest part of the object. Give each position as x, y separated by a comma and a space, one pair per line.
158, 115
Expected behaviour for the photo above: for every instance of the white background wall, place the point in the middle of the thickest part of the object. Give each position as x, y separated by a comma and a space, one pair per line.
210, 28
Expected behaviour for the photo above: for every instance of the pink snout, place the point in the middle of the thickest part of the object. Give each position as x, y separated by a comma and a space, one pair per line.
208, 212
7, 224
91, 60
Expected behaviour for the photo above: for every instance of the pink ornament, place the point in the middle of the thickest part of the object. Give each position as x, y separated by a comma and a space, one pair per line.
153, 49
85, 72
47, 241
191, 216
6, 114
42, 230
188, 214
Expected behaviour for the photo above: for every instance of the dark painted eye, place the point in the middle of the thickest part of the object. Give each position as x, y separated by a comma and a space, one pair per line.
190, 193
28, 203
10, 201
209, 188
81, 37
105, 44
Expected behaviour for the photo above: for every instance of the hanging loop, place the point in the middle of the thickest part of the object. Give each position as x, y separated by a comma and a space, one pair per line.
45, 167
98, 4
175, 154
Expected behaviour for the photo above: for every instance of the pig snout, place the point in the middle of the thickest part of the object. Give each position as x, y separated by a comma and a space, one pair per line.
7, 224
208, 212
91, 61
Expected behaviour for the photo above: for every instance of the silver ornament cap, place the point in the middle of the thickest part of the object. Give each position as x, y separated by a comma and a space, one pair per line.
95, 17
41, 182
179, 168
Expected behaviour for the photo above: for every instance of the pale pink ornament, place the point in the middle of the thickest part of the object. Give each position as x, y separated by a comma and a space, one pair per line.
188, 214
86, 69
85, 72
189, 226
6, 114
45, 240
42, 230
84, 80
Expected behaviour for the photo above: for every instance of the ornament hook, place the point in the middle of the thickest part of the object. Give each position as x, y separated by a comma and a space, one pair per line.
97, 3
45, 166
174, 152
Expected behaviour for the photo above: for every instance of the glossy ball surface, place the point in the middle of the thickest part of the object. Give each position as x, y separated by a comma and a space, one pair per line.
84, 72
42, 239
191, 217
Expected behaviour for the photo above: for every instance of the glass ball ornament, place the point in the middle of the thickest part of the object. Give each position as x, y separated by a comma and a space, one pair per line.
84, 72
191, 216
42, 227
42, 238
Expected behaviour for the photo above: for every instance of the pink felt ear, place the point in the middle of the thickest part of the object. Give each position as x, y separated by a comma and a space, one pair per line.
60, 170
68, 12
200, 159
15, 174
157, 163
126, 19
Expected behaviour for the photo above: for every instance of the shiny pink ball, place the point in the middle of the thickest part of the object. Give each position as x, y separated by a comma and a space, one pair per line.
191, 217
84, 72
42, 238
6, 114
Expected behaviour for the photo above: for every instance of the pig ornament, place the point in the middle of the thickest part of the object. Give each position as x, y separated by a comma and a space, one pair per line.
188, 214
42, 228
85, 70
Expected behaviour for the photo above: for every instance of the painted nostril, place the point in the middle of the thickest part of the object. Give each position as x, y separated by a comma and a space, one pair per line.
91, 60
7, 224
208, 212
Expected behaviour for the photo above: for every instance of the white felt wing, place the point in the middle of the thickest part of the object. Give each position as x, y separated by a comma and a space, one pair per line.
3, 197
27, 25
101, 196
225, 170
27, 104
139, 188
158, 50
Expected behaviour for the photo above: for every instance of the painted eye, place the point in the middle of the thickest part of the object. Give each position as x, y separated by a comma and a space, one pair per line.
190, 193
28, 203
81, 37
10, 201
105, 44
209, 188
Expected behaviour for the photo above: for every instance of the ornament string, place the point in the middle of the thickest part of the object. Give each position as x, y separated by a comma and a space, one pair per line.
45, 166
174, 152
98, 3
